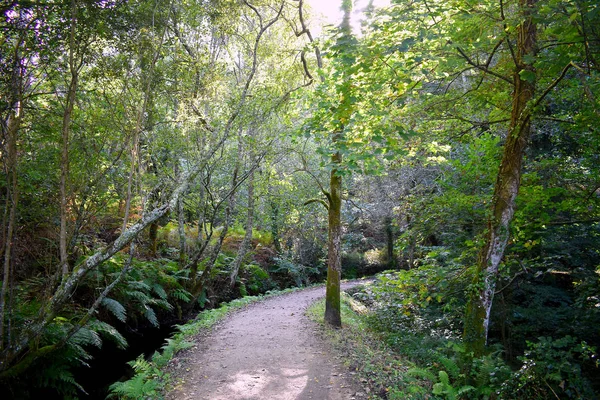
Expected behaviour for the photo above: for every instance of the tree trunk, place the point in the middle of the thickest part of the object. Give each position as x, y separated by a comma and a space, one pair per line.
181, 231
12, 198
245, 245
334, 253
198, 284
153, 236
64, 156
389, 231
275, 226
505, 190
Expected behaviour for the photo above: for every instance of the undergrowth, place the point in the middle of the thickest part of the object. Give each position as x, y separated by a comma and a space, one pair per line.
400, 355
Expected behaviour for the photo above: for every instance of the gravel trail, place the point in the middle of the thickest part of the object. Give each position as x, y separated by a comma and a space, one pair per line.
267, 351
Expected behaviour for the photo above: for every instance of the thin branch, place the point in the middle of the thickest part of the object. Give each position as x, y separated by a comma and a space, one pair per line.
483, 68
320, 201
556, 82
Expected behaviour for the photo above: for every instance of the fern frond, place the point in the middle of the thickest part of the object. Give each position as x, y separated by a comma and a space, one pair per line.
159, 291
181, 294
151, 316
465, 389
115, 308
140, 364
450, 366
139, 285
485, 370
139, 296
86, 337
444, 378
138, 387
161, 303
422, 373
109, 332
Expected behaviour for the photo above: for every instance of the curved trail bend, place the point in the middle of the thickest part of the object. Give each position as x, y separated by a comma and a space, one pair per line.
267, 351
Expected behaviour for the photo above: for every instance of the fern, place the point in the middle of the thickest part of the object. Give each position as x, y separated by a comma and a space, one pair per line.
161, 303
115, 308
109, 332
450, 366
443, 387
182, 295
175, 345
139, 285
422, 373
138, 387
151, 316
85, 336
160, 291
139, 296
465, 389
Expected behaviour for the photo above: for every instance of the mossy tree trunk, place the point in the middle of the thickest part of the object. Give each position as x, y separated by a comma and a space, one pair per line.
334, 253
506, 188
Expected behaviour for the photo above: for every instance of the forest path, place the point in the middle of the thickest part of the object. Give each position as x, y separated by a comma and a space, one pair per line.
267, 351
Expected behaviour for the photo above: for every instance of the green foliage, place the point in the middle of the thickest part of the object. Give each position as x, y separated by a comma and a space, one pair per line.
145, 383
147, 288
256, 280
115, 308
551, 367
294, 274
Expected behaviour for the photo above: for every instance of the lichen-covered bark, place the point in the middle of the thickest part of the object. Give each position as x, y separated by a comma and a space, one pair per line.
334, 264
505, 191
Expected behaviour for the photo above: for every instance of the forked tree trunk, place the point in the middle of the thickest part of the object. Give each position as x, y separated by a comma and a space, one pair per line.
506, 188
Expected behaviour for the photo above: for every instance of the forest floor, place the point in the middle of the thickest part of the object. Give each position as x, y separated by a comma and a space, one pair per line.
268, 350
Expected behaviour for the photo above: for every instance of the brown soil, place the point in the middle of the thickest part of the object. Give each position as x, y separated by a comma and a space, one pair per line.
267, 351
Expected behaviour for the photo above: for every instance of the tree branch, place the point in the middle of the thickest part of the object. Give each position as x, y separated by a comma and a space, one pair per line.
483, 68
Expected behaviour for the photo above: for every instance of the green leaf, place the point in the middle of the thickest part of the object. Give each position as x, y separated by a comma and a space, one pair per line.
527, 75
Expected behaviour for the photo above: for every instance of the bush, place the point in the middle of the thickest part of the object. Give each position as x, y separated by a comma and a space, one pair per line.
289, 273
551, 369
255, 279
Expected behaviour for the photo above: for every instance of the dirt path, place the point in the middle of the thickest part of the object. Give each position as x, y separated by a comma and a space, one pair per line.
267, 351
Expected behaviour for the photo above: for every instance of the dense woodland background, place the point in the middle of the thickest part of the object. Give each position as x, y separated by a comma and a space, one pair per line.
161, 157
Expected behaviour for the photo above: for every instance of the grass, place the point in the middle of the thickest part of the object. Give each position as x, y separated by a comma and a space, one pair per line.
383, 374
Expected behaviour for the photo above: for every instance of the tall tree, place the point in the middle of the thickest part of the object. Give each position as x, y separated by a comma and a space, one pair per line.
508, 181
